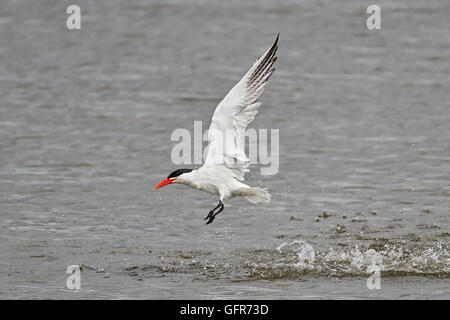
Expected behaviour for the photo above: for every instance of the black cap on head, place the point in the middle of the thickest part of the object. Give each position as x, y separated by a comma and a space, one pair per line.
178, 172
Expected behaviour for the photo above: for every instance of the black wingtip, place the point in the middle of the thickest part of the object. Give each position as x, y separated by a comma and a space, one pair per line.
276, 41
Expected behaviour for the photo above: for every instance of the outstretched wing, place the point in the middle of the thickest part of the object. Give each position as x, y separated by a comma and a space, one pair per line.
233, 114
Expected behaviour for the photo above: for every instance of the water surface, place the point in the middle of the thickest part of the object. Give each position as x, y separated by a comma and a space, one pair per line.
85, 124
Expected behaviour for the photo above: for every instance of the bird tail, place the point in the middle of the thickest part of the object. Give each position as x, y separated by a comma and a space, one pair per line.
257, 195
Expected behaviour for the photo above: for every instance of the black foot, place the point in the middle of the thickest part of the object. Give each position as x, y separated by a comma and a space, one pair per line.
211, 219
211, 215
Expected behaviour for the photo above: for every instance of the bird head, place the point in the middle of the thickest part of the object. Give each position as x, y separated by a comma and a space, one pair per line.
171, 178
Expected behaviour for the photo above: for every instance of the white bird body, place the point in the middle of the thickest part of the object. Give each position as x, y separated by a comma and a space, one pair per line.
213, 180
226, 162
216, 181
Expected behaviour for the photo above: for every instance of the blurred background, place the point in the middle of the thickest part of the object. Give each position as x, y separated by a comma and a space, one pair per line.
85, 123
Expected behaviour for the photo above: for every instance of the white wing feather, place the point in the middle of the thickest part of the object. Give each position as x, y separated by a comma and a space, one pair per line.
232, 115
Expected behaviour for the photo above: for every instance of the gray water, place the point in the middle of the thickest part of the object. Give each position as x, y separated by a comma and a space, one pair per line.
85, 124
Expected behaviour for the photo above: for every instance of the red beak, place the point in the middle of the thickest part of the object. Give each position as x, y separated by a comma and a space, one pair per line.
164, 182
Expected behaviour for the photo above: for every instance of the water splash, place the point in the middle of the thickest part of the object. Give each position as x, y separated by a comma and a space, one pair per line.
305, 253
299, 259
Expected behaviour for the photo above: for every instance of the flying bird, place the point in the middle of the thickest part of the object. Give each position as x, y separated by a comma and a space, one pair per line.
226, 162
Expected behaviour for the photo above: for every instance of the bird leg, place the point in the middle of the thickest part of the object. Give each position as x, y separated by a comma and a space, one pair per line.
211, 215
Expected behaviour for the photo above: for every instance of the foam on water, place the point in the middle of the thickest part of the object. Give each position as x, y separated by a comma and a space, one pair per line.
305, 252
299, 260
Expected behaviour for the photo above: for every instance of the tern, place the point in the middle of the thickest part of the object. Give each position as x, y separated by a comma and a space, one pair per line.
226, 162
